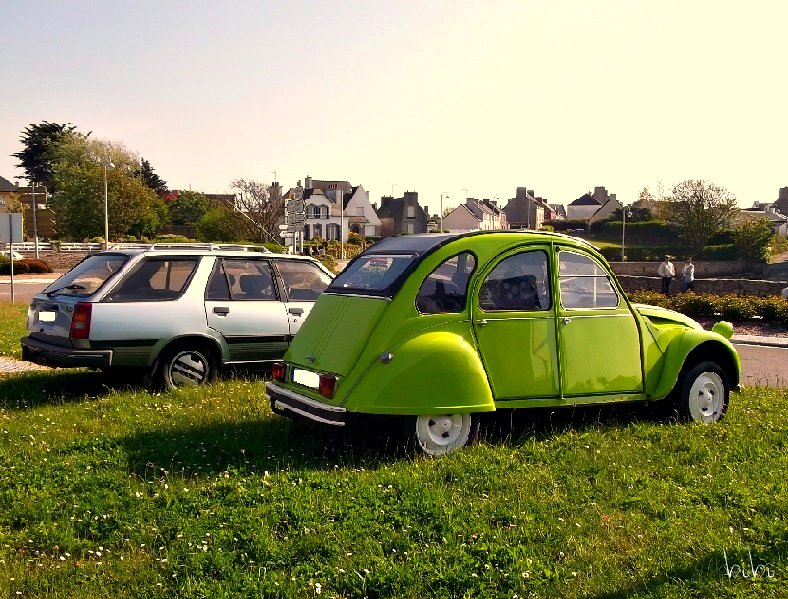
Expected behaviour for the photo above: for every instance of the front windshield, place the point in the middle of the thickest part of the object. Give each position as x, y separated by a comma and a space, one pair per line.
374, 272
87, 276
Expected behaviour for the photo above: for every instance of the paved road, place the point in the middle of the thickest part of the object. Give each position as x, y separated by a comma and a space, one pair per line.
763, 366
24, 289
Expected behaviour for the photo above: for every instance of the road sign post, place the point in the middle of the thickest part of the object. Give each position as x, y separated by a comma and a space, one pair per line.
11, 231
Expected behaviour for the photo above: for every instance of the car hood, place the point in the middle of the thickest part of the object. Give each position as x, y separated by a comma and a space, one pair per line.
335, 333
663, 316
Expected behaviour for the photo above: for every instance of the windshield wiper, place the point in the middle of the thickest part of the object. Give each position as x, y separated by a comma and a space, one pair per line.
74, 286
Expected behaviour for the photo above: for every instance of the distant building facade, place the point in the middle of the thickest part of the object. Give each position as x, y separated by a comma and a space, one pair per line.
402, 215
524, 211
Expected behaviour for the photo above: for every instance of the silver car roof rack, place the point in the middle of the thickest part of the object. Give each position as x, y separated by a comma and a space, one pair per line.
211, 247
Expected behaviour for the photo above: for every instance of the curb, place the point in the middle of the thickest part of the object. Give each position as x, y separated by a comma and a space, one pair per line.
757, 340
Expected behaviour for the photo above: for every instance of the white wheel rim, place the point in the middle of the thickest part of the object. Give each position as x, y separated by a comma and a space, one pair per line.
442, 434
706, 397
188, 369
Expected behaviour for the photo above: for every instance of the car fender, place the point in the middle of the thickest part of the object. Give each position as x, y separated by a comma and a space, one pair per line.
212, 340
434, 372
697, 345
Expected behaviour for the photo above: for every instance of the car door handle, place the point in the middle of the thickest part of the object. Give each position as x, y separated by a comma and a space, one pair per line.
296, 311
221, 310
566, 320
482, 323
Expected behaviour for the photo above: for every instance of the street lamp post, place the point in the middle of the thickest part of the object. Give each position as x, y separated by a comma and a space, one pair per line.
625, 212
441, 215
106, 163
35, 224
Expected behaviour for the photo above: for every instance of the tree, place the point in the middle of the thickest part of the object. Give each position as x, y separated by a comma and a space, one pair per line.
700, 209
189, 208
39, 141
145, 174
77, 167
222, 224
262, 206
754, 236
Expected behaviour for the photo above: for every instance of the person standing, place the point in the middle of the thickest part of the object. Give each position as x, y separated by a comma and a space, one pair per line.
667, 272
687, 276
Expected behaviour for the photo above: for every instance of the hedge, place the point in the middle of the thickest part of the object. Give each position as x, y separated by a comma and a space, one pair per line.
729, 307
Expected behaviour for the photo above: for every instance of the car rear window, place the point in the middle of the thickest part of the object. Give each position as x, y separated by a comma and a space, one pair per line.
373, 273
87, 276
155, 280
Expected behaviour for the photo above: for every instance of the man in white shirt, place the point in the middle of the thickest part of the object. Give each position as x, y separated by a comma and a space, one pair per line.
687, 275
667, 272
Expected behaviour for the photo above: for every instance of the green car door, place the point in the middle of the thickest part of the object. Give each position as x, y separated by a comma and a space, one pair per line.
514, 323
599, 339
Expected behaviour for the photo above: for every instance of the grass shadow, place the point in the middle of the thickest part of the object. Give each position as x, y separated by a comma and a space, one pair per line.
25, 390
269, 444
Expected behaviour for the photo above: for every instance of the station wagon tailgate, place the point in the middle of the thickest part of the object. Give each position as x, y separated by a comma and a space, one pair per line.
335, 333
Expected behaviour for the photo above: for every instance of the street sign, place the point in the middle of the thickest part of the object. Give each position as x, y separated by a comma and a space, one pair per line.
297, 218
11, 228
295, 206
293, 228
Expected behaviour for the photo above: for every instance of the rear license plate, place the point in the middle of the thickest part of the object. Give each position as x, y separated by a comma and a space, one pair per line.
47, 316
306, 378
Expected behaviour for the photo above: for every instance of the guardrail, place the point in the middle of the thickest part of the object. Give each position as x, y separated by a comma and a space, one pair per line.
46, 246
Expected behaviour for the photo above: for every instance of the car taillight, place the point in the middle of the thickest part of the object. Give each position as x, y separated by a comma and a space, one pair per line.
279, 371
327, 384
80, 321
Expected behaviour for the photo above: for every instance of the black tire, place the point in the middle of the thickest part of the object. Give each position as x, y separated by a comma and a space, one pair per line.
436, 435
185, 366
704, 393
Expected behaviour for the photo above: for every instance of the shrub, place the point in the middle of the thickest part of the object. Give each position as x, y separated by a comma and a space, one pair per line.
20, 267
727, 252
652, 298
35, 266
275, 248
696, 304
774, 309
328, 261
355, 238
736, 307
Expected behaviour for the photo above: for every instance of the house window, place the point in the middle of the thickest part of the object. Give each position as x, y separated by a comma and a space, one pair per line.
314, 212
317, 230
360, 211
411, 212
410, 228
332, 231
324, 211
306, 232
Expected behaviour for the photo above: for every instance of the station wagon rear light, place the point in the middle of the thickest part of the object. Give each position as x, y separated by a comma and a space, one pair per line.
279, 371
80, 321
328, 382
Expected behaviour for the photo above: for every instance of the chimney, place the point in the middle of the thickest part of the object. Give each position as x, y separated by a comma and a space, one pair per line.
308, 183
531, 192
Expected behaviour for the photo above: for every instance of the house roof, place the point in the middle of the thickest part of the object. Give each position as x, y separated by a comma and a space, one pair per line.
393, 207
6, 185
586, 200
773, 216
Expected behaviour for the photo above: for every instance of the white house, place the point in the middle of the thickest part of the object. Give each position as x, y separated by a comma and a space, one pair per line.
334, 208
475, 215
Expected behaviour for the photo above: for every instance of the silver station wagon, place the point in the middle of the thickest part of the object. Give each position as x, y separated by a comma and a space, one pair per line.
177, 313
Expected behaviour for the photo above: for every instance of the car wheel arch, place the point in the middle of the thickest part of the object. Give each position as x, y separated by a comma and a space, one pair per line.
207, 342
689, 350
388, 387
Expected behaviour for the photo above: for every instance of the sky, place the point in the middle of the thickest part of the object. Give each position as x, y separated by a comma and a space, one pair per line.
455, 98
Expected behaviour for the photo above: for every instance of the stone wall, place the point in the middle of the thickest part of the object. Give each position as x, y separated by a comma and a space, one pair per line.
758, 287
59, 260
703, 269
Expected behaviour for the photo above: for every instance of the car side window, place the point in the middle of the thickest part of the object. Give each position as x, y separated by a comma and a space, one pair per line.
155, 280
218, 288
303, 280
519, 282
446, 288
584, 283
249, 280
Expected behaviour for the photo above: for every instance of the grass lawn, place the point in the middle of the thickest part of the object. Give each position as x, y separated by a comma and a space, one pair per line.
116, 492
12, 328
110, 491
